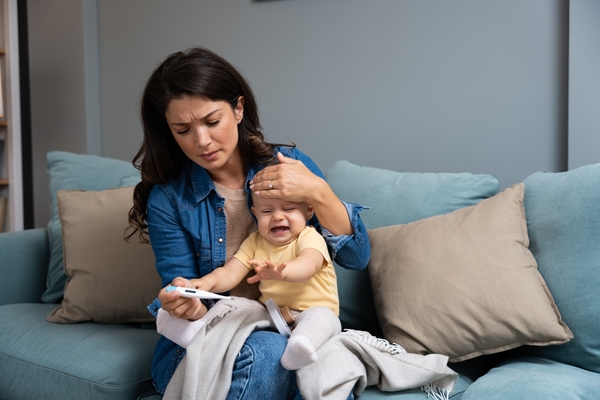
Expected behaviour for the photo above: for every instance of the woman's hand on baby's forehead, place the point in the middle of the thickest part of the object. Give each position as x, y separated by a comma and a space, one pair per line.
290, 180
273, 171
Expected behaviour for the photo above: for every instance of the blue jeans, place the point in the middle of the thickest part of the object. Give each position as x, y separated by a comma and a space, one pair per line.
258, 374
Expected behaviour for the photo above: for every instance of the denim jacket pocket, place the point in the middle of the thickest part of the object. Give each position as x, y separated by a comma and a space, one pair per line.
204, 254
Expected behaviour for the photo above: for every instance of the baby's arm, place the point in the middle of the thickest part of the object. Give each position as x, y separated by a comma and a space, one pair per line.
300, 269
224, 278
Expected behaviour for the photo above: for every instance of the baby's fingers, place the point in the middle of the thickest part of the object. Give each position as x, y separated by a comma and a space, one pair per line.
256, 263
276, 267
197, 282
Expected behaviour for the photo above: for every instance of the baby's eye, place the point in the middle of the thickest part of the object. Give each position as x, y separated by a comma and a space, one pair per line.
265, 211
289, 208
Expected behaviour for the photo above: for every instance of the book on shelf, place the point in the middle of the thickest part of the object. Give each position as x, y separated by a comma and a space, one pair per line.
3, 207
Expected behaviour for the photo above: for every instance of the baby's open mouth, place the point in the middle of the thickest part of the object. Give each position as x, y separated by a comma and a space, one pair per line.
280, 229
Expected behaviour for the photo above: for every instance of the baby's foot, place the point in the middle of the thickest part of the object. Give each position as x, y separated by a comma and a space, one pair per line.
298, 353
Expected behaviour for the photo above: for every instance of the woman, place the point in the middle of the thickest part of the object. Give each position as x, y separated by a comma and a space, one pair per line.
202, 153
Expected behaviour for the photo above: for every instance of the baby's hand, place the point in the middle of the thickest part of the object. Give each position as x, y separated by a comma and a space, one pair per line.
267, 270
202, 283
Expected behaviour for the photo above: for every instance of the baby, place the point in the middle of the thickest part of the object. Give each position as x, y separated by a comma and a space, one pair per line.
293, 267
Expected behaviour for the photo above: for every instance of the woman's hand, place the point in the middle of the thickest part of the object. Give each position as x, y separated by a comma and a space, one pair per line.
179, 306
292, 181
289, 180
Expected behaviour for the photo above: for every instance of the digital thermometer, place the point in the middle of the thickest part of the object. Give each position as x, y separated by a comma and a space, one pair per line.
196, 293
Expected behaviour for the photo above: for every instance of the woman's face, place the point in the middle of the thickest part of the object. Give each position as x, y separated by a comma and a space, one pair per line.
207, 131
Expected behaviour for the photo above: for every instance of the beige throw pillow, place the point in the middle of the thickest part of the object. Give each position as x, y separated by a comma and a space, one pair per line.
109, 280
463, 284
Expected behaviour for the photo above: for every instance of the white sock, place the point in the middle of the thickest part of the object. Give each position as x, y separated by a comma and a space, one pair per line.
298, 353
178, 330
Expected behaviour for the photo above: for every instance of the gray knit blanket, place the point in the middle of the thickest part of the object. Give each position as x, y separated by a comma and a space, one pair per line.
352, 360
355, 360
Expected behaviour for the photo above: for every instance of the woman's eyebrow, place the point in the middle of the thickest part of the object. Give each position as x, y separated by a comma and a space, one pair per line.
207, 116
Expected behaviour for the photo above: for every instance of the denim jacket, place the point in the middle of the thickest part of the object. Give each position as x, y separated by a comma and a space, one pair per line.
186, 223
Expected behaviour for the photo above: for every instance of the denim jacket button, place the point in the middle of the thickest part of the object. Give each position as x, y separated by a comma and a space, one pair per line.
219, 209
220, 240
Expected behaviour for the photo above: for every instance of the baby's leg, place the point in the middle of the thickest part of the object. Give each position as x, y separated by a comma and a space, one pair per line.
312, 328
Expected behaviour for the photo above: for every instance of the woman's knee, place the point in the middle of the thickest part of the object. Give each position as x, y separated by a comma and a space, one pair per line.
258, 371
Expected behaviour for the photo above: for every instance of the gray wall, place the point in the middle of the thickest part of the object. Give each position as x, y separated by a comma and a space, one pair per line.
412, 85
58, 90
584, 83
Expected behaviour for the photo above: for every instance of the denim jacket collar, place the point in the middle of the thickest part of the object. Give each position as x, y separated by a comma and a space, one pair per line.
202, 184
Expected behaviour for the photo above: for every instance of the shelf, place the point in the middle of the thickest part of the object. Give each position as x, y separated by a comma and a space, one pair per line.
11, 184
3, 182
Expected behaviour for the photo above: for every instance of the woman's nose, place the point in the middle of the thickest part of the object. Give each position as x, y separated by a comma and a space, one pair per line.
203, 138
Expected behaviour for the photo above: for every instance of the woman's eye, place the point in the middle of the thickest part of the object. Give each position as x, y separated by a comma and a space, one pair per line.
183, 131
212, 123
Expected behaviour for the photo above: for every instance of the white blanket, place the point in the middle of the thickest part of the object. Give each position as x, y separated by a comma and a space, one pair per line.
205, 371
355, 360
351, 361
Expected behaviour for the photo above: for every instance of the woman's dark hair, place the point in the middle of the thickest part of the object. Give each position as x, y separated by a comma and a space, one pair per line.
195, 72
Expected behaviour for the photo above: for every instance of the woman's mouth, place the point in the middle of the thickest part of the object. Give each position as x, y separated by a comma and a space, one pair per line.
209, 156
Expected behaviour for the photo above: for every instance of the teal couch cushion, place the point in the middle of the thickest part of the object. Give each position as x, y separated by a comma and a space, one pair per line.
373, 393
563, 219
42, 360
24, 263
74, 171
534, 378
395, 198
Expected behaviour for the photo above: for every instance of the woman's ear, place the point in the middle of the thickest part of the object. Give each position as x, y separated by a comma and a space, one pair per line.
239, 109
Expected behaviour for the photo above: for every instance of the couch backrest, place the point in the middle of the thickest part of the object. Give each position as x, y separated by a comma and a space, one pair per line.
563, 220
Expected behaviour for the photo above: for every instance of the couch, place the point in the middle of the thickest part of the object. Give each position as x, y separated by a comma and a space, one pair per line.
503, 282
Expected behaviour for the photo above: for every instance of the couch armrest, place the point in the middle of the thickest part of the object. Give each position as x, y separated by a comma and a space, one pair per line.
24, 258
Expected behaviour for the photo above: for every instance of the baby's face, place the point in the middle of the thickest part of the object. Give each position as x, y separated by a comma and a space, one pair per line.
279, 221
